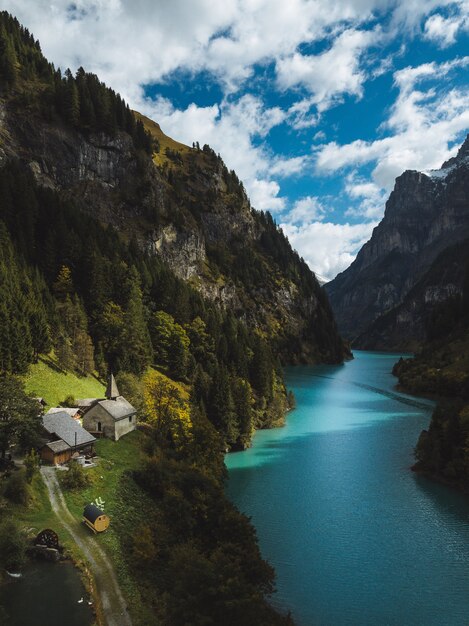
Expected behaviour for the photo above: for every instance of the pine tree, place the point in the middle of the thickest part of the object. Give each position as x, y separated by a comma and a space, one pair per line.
178, 353
71, 101
136, 348
8, 60
221, 409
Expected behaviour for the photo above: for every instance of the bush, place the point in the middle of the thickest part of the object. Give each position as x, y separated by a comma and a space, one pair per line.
16, 490
75, 478
31, 464
69, 401
12, 545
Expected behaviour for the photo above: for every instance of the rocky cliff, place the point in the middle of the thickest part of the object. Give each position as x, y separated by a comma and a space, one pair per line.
183, 205
384, 298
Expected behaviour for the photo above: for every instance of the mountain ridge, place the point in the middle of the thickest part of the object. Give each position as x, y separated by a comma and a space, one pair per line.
185, 206
425, 215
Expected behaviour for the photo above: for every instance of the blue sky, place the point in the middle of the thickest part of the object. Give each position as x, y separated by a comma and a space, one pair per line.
318, 106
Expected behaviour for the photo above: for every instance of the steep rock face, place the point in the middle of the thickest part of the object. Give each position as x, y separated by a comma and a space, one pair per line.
406, 326
188, 209
425, 215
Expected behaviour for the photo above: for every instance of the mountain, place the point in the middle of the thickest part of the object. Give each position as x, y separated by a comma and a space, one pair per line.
179, 203
139, 251
412, 261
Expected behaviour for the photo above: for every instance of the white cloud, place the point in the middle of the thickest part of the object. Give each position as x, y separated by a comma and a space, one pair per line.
328, 248
134, 42
306, 210
264, 195
371, 198
331, 74
289, 166
422, 124
442, 30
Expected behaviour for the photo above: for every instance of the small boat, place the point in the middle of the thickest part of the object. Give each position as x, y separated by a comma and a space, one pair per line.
80, 601
13, 575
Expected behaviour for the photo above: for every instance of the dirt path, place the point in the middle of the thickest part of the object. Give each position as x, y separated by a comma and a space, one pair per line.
113, 603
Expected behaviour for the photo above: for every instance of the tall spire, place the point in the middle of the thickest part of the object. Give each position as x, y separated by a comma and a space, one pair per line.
111, 390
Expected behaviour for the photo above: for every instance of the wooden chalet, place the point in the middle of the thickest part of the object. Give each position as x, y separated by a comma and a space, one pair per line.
66, 437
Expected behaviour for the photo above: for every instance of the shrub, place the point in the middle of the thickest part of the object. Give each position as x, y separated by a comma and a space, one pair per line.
31, 464
12, 544
16, 490
75, 478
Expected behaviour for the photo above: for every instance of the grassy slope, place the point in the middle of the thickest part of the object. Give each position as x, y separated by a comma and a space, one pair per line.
47, 381
165, 142
125, 503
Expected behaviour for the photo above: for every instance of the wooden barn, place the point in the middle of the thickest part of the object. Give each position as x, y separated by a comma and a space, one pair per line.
56, 452
95, 519
66, 436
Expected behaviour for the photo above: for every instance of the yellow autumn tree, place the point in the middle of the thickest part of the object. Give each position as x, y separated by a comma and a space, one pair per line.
167, 409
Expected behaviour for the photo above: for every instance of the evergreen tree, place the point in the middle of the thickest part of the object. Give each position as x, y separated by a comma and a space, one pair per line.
136, 348
221, 409
71, 102
20, 422
8, 60
178, 353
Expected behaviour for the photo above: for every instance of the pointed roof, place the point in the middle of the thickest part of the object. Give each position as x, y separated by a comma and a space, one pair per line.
111, 390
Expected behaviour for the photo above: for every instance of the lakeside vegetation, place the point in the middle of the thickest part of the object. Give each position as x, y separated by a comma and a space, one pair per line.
441, 369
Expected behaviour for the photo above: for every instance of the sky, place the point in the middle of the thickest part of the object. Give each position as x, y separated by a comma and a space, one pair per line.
317, 105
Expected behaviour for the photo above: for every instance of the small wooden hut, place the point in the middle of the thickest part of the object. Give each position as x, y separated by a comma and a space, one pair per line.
95, 519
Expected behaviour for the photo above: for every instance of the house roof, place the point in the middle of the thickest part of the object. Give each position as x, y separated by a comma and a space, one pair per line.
119, 408
58, 409
92, 513
57, 446
84, 403
66, 428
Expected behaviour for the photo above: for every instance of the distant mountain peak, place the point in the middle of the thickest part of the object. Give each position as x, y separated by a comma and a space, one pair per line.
383, 299
462, 155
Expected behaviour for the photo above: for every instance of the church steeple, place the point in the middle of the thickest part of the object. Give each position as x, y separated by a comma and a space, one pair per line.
112, 392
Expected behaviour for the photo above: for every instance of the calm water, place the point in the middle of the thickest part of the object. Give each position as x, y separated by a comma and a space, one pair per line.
46, 595
355, 537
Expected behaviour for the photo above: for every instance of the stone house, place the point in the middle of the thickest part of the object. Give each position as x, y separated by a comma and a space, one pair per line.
112, 417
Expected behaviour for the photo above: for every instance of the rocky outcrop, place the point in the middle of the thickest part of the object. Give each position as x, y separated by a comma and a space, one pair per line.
376, 300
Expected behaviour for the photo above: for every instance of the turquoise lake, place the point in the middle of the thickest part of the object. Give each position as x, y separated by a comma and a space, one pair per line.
354, 535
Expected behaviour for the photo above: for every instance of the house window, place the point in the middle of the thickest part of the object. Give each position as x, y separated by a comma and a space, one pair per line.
130, 418
99, 426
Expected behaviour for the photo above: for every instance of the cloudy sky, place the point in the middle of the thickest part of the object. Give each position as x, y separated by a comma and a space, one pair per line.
317, 105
